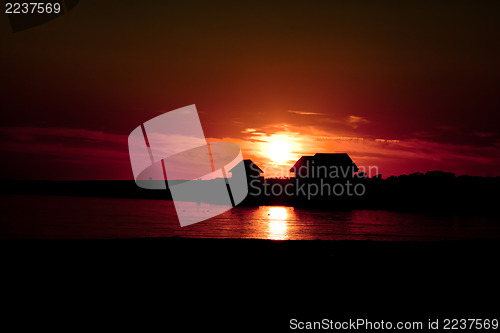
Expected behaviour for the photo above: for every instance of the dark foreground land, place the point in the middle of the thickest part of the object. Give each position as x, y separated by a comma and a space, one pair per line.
178, 284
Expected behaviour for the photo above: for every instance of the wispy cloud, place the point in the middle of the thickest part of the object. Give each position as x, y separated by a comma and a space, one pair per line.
484, 134
356, 121
304, 112
96, 149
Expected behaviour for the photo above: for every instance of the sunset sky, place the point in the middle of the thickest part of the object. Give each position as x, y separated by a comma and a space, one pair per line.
405, 86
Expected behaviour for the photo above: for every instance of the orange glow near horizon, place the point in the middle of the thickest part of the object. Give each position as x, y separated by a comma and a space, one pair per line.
276, 147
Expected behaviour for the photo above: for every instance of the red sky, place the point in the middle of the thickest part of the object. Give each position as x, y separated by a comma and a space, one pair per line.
404, 86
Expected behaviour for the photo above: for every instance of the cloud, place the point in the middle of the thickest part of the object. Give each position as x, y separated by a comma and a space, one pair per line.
304, 113
339, 138
356, 121
108, 152
72, 145
484, 134
387, 140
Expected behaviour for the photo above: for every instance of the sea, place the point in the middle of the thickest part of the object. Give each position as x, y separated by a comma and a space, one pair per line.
58, 217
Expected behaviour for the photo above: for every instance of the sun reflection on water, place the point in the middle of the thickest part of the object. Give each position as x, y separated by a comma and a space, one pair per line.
278, 223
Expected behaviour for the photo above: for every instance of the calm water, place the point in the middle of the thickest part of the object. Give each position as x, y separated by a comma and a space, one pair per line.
82, 217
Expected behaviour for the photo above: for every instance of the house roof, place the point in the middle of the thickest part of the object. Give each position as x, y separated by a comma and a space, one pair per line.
320, 159
250, 165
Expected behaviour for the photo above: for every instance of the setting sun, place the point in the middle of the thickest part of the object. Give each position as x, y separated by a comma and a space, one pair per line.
280, 151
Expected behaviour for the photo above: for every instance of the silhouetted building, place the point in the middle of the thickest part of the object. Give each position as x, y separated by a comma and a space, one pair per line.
324, 166
251, 169
254, 180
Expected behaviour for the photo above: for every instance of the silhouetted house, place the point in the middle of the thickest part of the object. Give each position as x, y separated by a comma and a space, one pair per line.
324, 166
251, 169
254, 180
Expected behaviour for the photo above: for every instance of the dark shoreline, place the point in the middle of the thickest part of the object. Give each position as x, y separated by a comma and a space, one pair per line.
249, 243
427, 193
